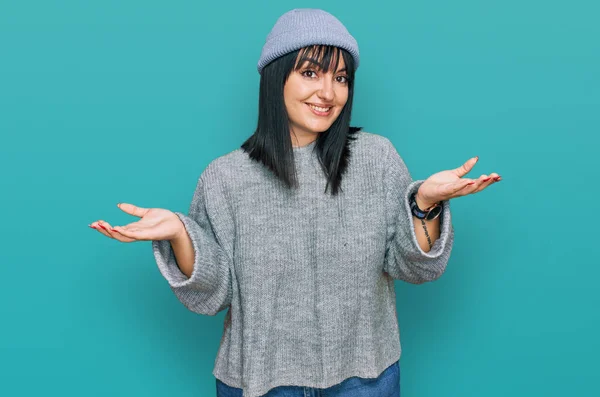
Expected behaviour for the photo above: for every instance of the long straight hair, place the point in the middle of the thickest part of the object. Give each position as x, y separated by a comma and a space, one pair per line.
271, 143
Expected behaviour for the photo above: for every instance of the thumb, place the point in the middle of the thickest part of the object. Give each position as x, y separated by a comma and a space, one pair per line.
132, 209
466, 167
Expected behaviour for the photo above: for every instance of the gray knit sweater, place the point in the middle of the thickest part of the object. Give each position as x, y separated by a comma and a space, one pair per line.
307, 278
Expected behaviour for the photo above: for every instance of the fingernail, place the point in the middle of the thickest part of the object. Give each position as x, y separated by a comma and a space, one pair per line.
114, 230
487, 179
470, 183
103, 227
93, 227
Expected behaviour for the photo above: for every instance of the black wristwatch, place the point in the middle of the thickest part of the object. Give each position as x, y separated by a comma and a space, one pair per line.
428, 214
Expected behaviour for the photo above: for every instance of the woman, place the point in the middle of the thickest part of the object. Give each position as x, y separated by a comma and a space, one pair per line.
302, 231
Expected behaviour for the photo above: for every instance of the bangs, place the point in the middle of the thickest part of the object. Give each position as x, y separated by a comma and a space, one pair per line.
322, 57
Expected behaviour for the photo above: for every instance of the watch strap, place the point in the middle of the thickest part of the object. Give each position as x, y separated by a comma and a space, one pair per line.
429, 214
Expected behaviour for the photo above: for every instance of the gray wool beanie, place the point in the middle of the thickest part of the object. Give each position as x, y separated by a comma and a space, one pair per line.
302, 27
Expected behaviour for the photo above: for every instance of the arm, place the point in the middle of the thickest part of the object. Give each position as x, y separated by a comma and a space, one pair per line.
184, 252
405, 259
427, 231
202, 281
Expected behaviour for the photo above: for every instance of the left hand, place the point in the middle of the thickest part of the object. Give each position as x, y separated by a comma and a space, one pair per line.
449, 184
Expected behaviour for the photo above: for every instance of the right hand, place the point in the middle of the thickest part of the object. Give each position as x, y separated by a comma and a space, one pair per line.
156, 224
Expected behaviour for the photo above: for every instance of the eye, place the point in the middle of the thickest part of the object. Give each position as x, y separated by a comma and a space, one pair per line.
309, 73
342, 79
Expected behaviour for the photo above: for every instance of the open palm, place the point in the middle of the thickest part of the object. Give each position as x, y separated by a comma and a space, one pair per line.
448, 184
155, 224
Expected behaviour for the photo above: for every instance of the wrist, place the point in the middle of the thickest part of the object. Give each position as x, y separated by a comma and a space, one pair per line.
422, 204
180, 236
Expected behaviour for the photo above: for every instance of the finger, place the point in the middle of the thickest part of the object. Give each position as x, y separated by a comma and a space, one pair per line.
114, 234
463, 185
132, 209
482, 182
487, 181
468, 186
132, 233
120, 236
131, 226
96, 225
106, 228
460, 188
466, 167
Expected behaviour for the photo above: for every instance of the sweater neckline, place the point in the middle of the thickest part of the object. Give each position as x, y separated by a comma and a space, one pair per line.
305, 148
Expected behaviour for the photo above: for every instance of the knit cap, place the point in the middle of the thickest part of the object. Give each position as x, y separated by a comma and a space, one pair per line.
302, 27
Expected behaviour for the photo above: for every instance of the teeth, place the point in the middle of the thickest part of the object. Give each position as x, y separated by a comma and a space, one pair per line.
319, 109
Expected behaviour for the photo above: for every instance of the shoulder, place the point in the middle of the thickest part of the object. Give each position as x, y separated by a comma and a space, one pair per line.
373, 145
380, 150
372, 141
224, 165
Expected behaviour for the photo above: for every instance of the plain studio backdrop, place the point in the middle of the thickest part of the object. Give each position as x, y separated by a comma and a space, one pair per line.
128, 101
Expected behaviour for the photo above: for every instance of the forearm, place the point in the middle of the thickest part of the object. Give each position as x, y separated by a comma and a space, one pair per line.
427, 232
184, 252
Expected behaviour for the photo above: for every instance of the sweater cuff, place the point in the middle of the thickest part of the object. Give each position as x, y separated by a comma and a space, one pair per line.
165, 256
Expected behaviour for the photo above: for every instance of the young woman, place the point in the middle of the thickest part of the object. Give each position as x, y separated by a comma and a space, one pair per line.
302, 231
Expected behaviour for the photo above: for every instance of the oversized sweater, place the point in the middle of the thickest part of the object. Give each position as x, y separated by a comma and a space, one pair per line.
307, 278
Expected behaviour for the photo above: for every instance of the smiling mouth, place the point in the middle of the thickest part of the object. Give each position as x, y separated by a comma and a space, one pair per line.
320, 111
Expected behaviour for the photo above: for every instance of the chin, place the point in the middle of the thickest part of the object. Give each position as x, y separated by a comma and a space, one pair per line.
319, 129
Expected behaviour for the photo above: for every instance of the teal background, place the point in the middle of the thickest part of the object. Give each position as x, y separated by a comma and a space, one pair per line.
128, 101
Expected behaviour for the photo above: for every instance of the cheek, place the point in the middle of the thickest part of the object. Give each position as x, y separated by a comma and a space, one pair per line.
342, 96
292, 106
290, 102
294, 96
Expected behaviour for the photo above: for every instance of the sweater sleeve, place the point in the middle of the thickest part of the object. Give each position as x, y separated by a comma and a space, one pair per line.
404, 258
208, 290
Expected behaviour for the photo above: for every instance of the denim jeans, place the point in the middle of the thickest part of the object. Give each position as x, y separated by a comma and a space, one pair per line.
386, 385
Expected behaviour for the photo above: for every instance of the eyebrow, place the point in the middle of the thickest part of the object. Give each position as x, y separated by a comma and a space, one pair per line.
313, 61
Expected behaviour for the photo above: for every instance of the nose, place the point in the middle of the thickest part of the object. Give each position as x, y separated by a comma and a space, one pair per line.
326, 92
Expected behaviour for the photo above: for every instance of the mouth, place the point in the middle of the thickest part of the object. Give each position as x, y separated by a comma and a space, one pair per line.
319, 110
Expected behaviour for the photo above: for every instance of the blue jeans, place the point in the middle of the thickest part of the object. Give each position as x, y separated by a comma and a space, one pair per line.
386, 385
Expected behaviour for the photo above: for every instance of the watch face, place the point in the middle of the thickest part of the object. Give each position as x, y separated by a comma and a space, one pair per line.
434, 212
